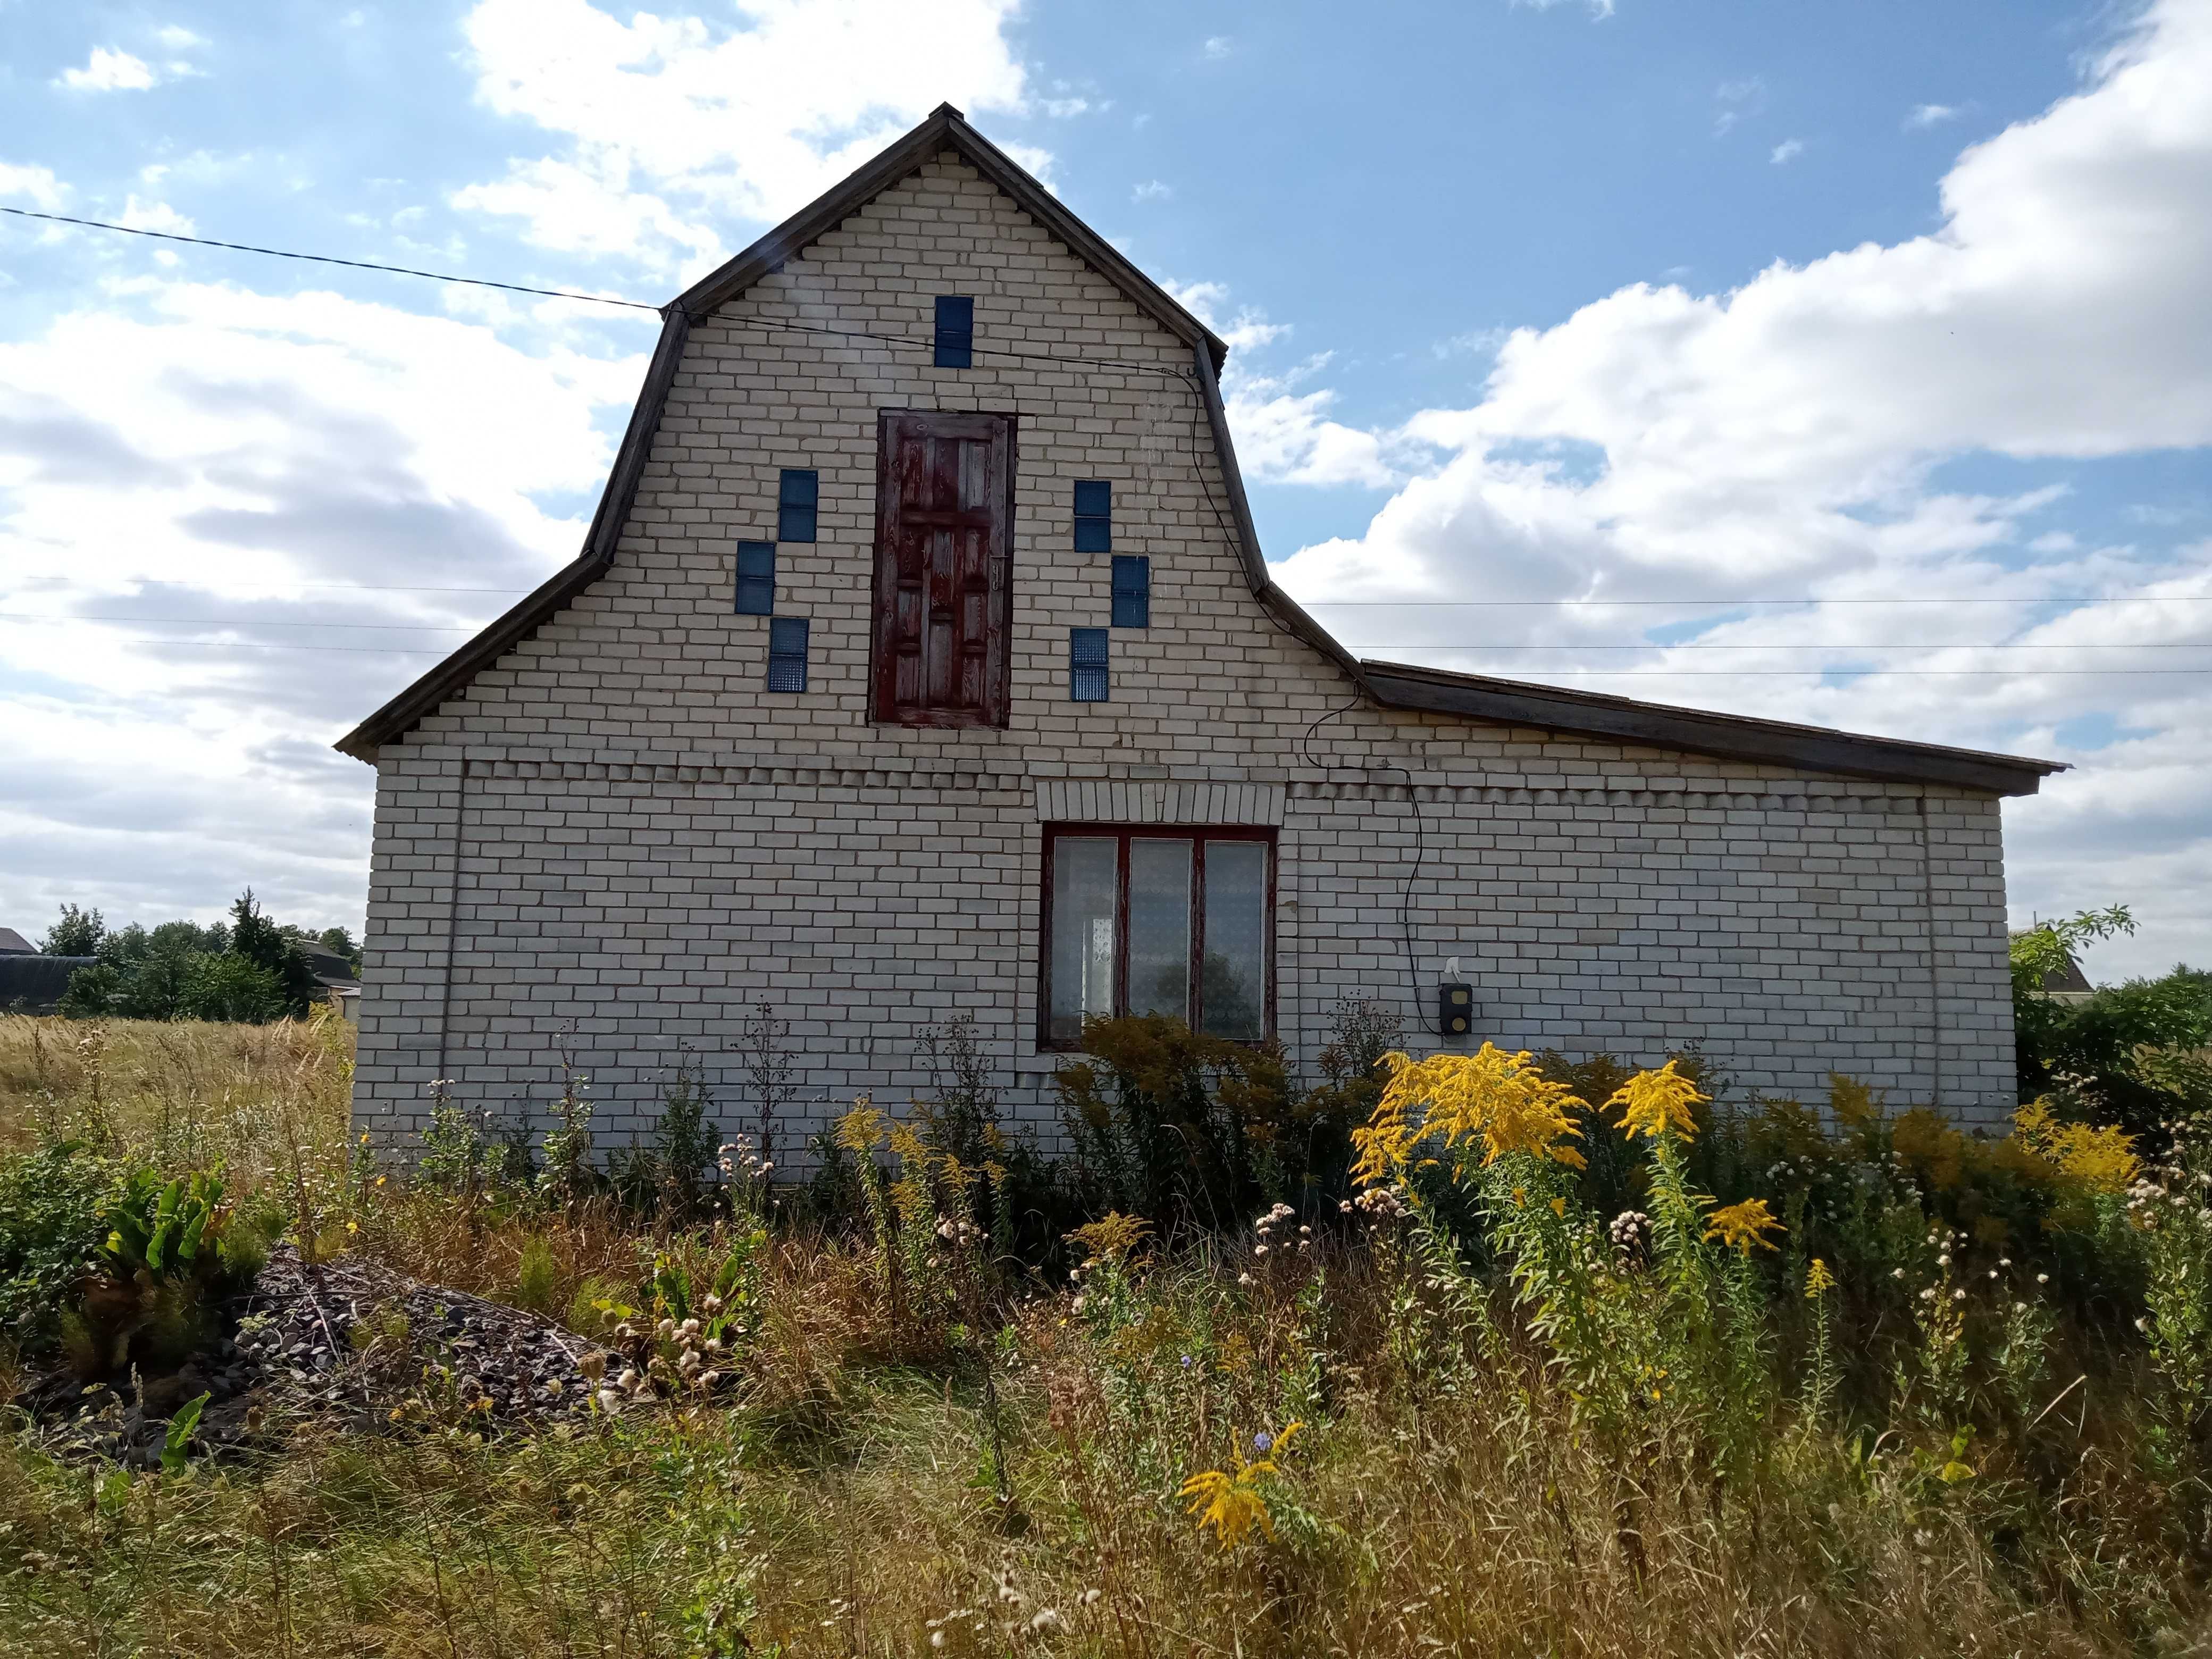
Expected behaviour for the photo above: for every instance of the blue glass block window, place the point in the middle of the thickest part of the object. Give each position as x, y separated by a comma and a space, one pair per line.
787, 654
795, 501
956, 331
1094, 515
1133, 591
755, 578
1086, 665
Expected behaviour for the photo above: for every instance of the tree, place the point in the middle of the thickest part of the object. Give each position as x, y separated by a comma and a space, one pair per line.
340, 940
78, 933
2037, 954
230, 987
258, 939
91, 993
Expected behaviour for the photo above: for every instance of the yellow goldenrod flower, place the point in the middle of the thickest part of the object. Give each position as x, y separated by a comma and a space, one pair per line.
2103, 1160
1819, 1281
1657, 1102
1233, 1504
1740, 1226
1113, 1235
1494, 1096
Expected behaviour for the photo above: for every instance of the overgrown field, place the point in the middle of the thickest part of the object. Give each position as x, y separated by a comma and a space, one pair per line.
1506, 1357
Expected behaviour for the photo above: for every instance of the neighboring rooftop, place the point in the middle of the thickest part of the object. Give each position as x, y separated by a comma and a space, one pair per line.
13, 943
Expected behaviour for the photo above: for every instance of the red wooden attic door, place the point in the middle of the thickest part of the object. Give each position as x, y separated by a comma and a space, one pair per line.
945, 488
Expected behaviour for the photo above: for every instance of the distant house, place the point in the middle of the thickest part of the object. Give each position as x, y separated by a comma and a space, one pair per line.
921, 659
33, 984
2069, 983
13, 943
335, 974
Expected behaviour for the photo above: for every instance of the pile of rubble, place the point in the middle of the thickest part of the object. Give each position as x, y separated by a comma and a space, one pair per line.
346, 1342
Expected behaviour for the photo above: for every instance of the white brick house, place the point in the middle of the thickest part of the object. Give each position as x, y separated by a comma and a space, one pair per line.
921, 657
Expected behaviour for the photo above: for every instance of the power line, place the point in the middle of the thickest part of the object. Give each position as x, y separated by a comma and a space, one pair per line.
41, 619
1809, 598
766, 325
328, 259
238, 622
1795, 645
1599, 673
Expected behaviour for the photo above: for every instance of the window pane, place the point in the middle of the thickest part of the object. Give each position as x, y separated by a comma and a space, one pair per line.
1082, 932
1235, 986
1159, 927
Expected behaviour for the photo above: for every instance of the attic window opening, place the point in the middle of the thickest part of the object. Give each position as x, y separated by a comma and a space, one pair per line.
787, 654
1087, 664
956, 331
756, 595
1133, 591
797, 496
1094, 516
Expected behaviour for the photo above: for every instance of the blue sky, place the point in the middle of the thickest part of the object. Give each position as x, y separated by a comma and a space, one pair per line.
1652, 308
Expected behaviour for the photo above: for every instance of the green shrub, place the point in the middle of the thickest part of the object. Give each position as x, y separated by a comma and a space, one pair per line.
1172, 1124
161, 1271
536, 1276
52, 1204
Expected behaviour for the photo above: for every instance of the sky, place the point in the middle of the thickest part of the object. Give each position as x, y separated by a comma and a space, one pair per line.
1841, 362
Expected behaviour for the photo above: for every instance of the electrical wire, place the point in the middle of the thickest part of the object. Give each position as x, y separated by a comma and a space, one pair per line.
328, 259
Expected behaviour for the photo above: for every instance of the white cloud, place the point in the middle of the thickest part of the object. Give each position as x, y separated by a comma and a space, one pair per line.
154, 216
177, 38
1928, 115
1218, 47
1781, 438
240, 449
1787, 151
1152, 190
1599, 9
39, 184
702, 122
108, 71
1737, 101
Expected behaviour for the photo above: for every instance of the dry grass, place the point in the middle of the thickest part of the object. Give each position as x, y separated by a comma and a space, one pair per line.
1437, 1503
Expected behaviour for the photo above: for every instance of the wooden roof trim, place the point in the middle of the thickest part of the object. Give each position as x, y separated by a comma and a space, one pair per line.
1724, 737
948, 129
404, 712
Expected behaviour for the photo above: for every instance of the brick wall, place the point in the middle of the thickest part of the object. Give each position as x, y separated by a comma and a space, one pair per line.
620, 842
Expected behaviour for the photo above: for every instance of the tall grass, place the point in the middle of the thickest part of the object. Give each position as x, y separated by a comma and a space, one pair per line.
904, 1471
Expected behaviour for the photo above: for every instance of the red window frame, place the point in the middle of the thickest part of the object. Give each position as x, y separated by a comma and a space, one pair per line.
1123, 834
937, 597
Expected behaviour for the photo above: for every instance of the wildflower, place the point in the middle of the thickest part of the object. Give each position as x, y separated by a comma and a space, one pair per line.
1233, 1504
1740, 1226
609, 1402
1653, 1103
1817, 1280
2043, 1279
1045, 1618
1958, 1296
1496, 1098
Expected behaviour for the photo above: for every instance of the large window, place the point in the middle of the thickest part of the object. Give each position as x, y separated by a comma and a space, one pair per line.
1158, 922
944, 492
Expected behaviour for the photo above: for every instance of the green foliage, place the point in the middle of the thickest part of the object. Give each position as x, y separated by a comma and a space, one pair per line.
178, 1439
161, 1270
260, 941
1169, 1123
77, 934
229, 987
93, 993
536, 1276
52, 1220
683, 1143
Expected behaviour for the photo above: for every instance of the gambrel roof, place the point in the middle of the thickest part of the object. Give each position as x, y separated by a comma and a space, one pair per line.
1473, 697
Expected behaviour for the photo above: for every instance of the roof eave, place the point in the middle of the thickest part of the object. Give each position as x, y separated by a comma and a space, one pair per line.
1723, 737
947, 128
407, 709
